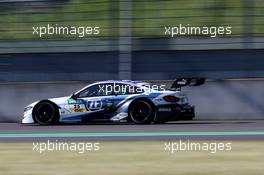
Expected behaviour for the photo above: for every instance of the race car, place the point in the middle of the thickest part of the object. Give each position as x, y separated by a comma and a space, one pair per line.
115, 101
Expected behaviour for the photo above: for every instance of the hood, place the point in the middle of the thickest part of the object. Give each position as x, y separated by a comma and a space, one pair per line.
59, 100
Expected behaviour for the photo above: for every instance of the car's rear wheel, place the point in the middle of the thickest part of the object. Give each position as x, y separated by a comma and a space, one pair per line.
141, 112
45, 112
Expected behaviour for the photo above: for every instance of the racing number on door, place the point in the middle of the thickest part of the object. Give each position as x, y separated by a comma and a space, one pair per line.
78, 108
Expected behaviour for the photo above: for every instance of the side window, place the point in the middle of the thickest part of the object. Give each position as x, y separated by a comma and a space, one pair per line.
126, 89
96, 90
91, 91
135, 90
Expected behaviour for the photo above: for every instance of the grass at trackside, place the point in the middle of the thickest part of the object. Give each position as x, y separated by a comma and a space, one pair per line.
149, 17
129, 158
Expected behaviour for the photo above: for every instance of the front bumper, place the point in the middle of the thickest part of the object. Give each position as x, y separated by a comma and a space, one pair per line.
27, 117
174, 112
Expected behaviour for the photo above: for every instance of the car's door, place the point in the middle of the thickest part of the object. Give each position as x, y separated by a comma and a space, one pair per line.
96, 97
106, 95
100, 97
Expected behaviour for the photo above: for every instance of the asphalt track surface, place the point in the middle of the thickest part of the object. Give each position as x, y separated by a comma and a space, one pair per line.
184, 130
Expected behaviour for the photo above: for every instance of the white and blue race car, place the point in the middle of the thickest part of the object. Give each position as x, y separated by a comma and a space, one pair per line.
115, 101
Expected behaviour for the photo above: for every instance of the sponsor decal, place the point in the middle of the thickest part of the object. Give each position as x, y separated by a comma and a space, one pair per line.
94, 105
77, 105
72, 101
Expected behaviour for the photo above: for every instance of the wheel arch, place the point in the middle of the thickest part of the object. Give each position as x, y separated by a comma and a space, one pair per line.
47, 100
143, 99
41, 101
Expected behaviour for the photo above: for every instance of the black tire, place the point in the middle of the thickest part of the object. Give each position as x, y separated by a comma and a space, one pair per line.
141, 112
46, 113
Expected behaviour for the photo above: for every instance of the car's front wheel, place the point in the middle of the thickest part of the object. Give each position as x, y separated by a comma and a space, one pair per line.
45, 112
141, 112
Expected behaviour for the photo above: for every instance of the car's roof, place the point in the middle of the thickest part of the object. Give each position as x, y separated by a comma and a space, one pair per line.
120, 81
131, 82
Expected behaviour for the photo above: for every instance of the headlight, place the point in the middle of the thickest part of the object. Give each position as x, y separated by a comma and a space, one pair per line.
27, 108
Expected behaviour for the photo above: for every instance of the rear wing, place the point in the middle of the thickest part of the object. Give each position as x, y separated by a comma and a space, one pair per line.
180, 82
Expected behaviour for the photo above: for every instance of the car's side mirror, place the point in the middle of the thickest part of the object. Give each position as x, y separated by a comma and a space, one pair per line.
74, 96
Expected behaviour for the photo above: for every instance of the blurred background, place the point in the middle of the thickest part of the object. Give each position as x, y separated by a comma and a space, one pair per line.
132, 45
